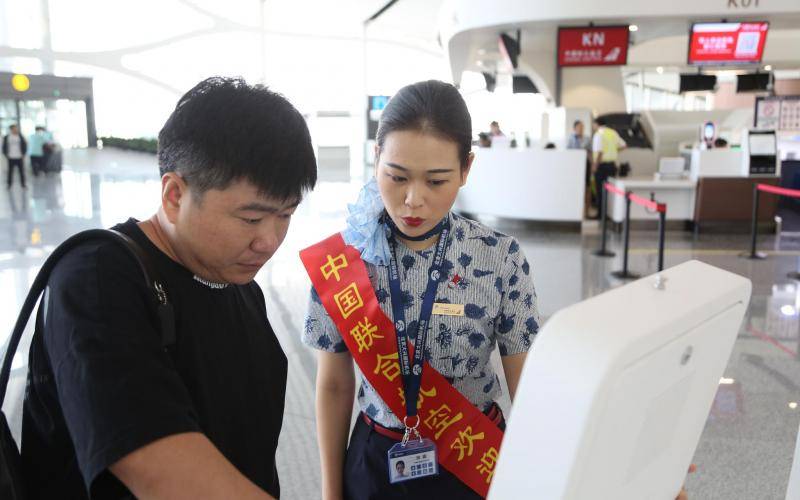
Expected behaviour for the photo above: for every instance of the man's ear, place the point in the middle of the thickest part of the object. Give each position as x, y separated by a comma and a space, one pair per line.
173, 193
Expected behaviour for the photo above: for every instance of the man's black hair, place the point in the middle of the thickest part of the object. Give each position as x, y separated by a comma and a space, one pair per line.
576, 123
601, 121
224, 130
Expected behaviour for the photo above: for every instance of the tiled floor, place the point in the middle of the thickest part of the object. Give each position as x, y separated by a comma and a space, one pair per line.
745, 451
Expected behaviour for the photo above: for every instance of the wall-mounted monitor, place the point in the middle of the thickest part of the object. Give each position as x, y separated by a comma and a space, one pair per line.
510, 49
521, 84
692, 82
753, 82
491, 81
719, 44
593, 46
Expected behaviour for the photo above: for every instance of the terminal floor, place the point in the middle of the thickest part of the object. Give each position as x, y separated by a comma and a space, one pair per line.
745, 451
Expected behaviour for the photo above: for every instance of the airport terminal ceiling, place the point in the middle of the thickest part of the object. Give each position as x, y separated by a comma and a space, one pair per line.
470, 32
317, 60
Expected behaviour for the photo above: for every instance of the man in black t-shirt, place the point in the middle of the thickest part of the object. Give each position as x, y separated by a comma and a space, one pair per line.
108, 413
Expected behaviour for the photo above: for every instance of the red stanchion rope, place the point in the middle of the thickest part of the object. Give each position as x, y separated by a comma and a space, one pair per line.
613, 189
652, 205
793, 193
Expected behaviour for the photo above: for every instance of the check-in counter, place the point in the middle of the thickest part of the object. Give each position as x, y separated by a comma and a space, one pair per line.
678, 194
532, 184
729, 201
725, 188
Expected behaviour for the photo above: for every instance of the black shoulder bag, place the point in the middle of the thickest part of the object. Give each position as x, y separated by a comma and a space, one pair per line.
11, 477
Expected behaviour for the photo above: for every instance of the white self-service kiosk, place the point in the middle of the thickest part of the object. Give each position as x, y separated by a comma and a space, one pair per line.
615, 392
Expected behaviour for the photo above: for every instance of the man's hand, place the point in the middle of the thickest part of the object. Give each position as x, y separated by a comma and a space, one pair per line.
683, 495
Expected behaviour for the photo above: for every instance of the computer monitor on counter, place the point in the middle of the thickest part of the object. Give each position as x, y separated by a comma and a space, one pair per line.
760, 152
616, 390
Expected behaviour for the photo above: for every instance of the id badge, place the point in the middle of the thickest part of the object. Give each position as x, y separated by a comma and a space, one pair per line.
414, 460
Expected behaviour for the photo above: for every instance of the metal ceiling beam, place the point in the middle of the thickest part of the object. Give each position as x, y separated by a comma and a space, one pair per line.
380, 12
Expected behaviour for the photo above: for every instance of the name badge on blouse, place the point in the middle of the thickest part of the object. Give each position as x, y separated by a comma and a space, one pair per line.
412, 460
441, 309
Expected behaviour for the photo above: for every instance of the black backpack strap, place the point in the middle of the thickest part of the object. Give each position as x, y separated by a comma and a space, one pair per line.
152, 280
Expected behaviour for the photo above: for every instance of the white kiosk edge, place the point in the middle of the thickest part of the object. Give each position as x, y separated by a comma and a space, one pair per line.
616, 390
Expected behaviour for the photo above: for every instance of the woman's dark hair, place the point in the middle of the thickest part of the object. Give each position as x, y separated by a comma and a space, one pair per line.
224, 130
430, 107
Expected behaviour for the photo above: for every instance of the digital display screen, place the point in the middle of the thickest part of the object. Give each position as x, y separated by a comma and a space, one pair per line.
762, 145
378, 102
709, 131
727, 43
593, 46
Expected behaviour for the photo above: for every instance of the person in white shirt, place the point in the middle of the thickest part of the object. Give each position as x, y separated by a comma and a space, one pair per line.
14, 149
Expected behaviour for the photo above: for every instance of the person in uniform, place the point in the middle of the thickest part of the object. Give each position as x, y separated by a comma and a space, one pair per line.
423, 156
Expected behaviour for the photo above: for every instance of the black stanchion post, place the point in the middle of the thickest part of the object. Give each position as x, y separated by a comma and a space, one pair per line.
603, 252
624, 273
662, 223
754, 229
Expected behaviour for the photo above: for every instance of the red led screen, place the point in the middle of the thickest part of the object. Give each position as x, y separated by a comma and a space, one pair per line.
593, 46
727, 43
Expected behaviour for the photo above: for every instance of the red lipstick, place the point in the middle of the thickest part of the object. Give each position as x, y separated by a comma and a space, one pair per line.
413, 221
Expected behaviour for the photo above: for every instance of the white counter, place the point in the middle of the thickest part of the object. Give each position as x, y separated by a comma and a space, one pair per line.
721, 162
533, 184
679, 195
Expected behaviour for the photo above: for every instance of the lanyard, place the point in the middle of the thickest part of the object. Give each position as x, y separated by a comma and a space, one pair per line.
412, 373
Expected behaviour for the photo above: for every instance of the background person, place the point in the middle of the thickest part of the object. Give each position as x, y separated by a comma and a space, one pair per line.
576, 139
14, 149
38, 142
579, 141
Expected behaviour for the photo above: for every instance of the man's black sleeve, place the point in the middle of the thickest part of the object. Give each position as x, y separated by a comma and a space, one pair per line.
116, 385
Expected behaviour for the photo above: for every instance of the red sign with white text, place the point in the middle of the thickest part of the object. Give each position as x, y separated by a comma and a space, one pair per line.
727, 43
593, 46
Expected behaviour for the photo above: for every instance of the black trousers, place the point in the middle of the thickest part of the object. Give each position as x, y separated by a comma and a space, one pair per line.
603, 172
366, 472
18, 164
37, 164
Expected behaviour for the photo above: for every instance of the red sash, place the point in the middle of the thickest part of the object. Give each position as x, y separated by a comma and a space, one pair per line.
467, 441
